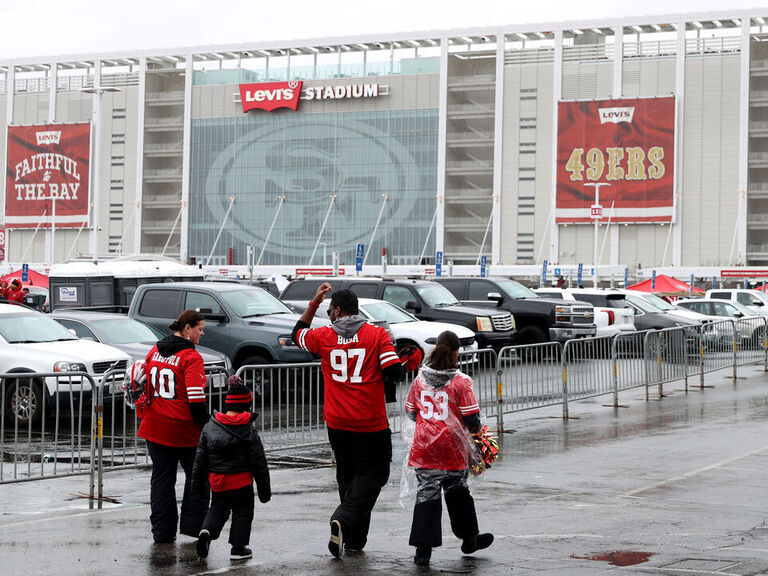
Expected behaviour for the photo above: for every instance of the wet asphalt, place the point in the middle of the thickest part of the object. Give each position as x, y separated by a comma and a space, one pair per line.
675, 485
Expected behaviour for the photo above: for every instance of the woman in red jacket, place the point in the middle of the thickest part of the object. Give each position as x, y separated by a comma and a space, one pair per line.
171, 425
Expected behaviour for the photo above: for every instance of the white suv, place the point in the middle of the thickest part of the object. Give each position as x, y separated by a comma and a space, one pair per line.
32, 342
755, 300
612, 314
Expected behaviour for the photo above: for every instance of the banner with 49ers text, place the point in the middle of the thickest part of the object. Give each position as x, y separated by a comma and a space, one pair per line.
620, 152
47, 174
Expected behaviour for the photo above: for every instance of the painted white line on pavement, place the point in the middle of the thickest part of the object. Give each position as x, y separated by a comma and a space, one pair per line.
674, 479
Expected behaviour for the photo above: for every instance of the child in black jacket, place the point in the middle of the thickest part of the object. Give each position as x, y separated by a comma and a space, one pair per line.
231, 454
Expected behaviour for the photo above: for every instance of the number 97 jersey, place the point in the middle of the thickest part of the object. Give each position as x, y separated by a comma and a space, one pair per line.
441, 441
354, 384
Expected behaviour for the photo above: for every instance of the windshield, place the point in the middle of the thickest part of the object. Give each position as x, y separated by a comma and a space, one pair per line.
515, 289
643, 304
123, 330
660, 303
436, 295
384, 311
28, 328
253, 302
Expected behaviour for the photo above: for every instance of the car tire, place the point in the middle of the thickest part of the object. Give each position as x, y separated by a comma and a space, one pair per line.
531, 335
23, 401
257, 380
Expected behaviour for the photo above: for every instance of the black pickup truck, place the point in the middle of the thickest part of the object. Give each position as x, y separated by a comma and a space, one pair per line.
424, 299
538, 319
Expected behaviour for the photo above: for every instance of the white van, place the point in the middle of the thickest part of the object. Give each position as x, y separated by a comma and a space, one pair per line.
755, 300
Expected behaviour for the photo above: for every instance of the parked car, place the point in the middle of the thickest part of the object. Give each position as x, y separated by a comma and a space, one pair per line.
537, 319
246, 323
404, 328
135, 338
755, 300
750, 331
612, 313
424, 299
666, 306
649, 317
31, 341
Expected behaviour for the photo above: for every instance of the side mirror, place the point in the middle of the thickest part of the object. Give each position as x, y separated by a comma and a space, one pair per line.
738, 314
412, 305
495, 297
209, 315
758, 303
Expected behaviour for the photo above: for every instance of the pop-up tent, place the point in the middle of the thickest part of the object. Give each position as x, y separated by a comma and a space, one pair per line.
665, 286
34, 278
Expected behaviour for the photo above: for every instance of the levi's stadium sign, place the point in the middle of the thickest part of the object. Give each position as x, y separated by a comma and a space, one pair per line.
272, 95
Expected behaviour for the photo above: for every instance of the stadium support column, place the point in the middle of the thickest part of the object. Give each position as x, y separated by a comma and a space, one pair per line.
557, 94
442, 129
139, 193
677, 186
617, 92
741, 217
185, 163
96, 161
11, 89
498, 158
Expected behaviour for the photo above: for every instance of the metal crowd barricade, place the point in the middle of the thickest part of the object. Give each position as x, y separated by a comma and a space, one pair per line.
719, 345
481, 367
629, 366
54, 440
750, 346
530, 376
289, 401
587, 368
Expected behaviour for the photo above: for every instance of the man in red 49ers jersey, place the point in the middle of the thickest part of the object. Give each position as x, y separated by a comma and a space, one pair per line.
360, 368
173, 418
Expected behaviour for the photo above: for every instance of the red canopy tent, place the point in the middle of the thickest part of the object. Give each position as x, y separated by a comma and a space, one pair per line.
666, 286
35, 278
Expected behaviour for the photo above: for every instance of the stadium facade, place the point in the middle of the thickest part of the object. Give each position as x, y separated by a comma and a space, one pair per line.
443, 141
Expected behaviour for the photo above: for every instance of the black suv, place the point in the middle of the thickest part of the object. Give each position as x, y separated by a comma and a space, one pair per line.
538, 319
424, 299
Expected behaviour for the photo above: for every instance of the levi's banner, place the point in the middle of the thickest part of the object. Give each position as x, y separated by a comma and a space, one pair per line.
270, 95
44, 163
627, 147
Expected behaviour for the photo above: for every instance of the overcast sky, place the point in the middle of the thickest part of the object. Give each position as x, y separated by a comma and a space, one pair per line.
57, 27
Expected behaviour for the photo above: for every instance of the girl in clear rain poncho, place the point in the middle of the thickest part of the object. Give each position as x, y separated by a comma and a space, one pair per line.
443, 406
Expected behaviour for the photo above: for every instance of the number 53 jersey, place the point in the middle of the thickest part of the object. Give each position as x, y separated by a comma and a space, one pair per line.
354, 385
441, 441
176, 379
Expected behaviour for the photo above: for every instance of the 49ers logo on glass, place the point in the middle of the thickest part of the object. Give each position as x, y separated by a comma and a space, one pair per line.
270, 95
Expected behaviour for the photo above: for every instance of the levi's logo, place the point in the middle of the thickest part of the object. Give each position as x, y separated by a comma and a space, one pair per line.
270, 95
48, 138
616, 115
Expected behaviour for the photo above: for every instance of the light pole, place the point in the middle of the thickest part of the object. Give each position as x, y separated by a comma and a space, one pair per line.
596, 213
97, 90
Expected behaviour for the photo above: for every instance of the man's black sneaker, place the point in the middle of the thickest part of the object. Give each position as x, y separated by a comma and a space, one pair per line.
423, 554
336, 541
240, 553
474, 544
203, 543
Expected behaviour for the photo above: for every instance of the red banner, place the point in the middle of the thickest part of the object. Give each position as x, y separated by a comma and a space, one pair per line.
47, 174
270, 95
621, 152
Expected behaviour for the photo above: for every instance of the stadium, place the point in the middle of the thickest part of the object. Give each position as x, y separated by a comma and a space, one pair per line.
635, 142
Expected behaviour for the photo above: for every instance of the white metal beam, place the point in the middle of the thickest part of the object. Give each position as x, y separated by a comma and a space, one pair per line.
557, 94
617, 92
185, 162
498, 156
442, 131
677, 182
741, 218
139, 192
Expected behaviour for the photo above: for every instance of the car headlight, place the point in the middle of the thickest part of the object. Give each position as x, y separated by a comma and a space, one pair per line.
484, 324
227, 364
431, 341
69, 367
285, 341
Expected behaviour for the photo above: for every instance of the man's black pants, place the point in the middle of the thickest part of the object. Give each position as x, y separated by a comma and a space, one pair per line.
162, 496
240, 502
362, 468
425, 528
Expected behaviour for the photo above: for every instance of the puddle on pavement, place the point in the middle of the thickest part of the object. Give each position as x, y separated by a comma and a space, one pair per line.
619, 557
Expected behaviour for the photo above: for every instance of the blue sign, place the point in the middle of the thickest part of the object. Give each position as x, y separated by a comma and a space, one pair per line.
25, 272
626, 277
483, 266
439, 263
359, 257
746, 283
714, 279
558, 272
653, 281
691, 282
578, 275
544, 273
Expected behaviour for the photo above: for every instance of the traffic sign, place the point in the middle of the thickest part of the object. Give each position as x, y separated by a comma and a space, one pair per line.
578, 276
439, 263
359, 257
544, 273
25, 272
483, 266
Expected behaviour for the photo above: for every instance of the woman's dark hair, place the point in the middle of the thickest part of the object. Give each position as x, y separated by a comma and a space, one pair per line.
191, 317
441, 358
